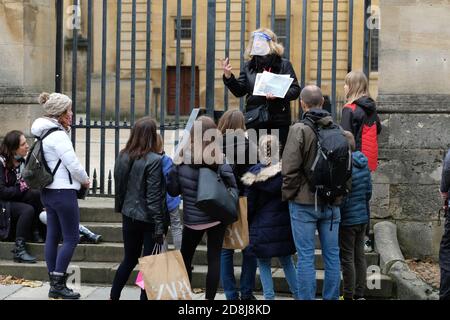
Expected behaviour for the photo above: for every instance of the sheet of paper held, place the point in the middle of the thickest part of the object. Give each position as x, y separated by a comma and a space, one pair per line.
276, 84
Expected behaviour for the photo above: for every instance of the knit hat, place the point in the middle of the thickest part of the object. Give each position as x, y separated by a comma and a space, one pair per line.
54, 104
269, 150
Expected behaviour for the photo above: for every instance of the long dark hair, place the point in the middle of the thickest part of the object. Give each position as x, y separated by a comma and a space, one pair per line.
9, 146
143, 139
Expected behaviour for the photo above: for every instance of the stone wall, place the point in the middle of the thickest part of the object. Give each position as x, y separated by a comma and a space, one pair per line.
27, 55
414, 104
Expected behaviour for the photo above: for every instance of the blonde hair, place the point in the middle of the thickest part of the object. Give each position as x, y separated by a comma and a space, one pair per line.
232, 120
269, 150
358, 86
275, 47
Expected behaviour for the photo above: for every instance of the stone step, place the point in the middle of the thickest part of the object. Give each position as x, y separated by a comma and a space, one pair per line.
98, 210
103, 273
112, 232
113, 252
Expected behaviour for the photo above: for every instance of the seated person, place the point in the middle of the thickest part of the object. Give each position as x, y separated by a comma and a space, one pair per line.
24, 204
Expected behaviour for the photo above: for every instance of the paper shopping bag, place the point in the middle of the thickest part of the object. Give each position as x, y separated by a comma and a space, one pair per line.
236, 235
165, 277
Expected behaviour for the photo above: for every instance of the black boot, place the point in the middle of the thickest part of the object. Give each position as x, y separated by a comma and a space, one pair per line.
20, 253
59, 290
37, 238
89, 236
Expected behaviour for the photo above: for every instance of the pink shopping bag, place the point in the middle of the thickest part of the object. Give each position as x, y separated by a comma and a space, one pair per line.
140, 281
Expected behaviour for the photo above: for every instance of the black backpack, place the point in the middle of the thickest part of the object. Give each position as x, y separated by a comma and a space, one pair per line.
332, 167
36, 173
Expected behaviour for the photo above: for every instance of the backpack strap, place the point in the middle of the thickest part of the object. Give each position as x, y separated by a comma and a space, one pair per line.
49, 132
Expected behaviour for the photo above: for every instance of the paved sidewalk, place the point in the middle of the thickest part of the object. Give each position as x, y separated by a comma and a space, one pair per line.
18, 292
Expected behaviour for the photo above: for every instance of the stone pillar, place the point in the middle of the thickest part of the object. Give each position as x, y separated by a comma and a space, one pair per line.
27, 55
414, 103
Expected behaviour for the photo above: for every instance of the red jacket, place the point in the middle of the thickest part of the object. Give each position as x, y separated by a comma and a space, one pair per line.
361, 119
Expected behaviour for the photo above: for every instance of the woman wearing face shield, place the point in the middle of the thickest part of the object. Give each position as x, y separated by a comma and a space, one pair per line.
264, 53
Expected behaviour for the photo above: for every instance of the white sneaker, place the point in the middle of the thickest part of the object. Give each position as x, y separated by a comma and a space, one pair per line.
368, 246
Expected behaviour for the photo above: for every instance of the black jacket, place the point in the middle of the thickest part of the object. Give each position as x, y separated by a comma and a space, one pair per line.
9, 186
445, 183
183, 180
241, 154
141, 190
280, 109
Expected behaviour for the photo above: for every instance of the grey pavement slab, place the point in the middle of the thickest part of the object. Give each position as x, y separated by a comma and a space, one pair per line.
6, 291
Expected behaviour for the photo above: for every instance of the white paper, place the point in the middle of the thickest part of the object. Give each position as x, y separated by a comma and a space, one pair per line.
276, 84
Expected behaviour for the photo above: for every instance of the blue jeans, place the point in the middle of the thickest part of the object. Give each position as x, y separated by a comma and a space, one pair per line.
305, 220
248, 275
265, 271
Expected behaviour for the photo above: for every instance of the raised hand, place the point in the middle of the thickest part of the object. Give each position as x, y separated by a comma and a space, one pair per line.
227, 68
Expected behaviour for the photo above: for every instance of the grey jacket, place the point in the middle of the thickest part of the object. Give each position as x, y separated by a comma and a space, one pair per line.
445, 183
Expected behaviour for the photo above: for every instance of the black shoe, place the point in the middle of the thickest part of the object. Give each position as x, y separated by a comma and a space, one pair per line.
20, 253
249, 298
59, 290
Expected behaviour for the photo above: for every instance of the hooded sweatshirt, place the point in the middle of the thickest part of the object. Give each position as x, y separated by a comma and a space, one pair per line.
58, 146
361, 119
354, 210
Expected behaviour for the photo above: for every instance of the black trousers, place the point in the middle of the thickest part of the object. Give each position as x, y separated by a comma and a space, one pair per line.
25, 214
191, 239
444, 262
136, 234
353, 260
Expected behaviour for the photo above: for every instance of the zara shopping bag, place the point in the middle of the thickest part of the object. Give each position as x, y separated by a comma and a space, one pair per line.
165, 276
236, 235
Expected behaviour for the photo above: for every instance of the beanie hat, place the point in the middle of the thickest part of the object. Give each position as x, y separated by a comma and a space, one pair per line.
269, 150
54, 104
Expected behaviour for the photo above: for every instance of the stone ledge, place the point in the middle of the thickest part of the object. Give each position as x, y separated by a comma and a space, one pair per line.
412, 103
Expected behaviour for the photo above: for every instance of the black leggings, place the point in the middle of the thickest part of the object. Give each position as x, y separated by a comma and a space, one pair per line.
135, 235
191, 239
25, 214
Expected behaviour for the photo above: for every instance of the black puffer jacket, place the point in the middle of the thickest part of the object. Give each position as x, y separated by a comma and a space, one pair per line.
241, 154
280, 109
141, 190
183, 180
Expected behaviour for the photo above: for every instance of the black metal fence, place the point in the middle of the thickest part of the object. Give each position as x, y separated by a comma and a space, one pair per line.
103, 184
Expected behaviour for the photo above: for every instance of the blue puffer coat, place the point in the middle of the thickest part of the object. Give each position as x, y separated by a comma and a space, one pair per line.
269, 218
354, 210
172, 202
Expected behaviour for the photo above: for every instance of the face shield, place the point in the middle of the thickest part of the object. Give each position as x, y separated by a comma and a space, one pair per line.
260, 44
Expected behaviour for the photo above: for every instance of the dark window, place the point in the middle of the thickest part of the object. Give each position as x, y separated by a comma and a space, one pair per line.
186, 29
374, 42
280, 30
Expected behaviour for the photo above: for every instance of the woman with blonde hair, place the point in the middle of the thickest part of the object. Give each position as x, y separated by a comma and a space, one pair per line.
264, 53
359, 116
60, 197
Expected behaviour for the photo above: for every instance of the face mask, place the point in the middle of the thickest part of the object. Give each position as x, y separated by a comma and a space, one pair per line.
18, 158
260, 44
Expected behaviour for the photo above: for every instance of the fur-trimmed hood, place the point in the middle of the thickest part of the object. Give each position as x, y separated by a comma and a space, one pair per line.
262, 176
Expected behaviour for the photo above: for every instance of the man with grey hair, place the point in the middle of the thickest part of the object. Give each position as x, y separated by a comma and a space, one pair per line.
308, 212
